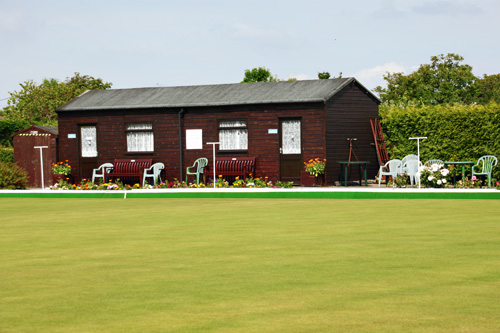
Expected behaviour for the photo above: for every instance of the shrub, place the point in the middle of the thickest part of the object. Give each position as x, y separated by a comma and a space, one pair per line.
7, 155
12, 177
434, 176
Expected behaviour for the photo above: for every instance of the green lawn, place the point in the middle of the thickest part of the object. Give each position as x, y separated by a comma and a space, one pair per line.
239, 265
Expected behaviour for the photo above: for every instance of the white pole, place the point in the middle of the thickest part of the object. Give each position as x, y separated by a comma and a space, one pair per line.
418, 138
41, 163
213, 148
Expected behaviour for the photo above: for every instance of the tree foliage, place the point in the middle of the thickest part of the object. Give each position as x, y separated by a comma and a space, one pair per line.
326, 76
323, 75
488, 89
36, 103
8, 128
260, 74
444, 81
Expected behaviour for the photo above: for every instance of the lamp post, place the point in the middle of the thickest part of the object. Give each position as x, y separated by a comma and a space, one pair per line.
213, 148
41, 163
418, 138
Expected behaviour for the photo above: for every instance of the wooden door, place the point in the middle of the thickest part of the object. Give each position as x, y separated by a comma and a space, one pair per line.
290, 150
88, 151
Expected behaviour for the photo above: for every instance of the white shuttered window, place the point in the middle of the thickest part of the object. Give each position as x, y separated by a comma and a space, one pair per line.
233, 135
140, 138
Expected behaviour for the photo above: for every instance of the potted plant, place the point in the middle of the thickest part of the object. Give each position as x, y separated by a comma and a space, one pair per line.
314, 172
61, 171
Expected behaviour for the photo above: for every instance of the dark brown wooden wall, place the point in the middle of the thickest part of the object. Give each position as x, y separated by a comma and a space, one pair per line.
27, 157
348, 115
111, 137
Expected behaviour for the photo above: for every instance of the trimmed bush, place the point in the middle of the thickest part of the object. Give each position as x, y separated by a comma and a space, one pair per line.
455, 133
12, 177
7, 155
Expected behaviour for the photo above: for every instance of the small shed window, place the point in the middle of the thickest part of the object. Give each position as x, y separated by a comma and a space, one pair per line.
233, 135
140, 138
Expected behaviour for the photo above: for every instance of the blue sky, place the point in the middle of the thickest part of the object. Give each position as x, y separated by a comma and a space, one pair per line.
152, 43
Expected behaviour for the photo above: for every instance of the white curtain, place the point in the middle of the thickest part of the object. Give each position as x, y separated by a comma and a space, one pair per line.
290, 130
234, 138
140, 141
88, 135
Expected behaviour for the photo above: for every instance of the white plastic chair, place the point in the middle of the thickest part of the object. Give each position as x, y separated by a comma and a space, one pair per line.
392, 168
406, 159
411, 168
153, 172
100, 171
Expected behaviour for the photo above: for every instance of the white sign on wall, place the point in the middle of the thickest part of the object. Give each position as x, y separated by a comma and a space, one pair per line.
194, 139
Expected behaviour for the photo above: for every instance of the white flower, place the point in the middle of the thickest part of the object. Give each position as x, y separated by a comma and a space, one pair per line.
439, 182
430, 178
435, 167
445, 172
444, 181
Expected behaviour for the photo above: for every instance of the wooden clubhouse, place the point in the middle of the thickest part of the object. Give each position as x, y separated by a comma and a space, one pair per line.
278, 125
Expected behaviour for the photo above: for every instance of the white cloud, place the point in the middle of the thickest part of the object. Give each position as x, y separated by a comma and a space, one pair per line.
373, 77
448, 8
300, 77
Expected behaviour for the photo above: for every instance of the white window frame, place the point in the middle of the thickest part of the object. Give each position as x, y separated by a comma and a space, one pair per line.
140, 138
233, 135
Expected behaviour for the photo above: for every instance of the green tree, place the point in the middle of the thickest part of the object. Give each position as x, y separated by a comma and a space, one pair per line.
260, 74
326, 76
323, 75
487, 89
444, 80
36, 103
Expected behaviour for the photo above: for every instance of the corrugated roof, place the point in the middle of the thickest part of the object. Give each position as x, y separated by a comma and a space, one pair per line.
208, 95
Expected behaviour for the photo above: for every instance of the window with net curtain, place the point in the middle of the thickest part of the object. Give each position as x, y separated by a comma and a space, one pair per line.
140, 138
233, 135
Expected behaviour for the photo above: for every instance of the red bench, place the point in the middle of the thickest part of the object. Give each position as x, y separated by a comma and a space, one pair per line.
128, 170
232, 167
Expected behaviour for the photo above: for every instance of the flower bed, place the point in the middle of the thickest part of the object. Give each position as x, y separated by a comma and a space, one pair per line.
86, 185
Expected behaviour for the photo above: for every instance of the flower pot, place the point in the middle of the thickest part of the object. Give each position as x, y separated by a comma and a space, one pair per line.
308, 180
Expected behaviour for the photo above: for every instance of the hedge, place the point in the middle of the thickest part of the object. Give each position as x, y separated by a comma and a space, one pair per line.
454, 133
7, 155
9, 127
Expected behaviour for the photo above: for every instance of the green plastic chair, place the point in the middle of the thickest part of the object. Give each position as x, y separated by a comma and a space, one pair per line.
485, 165
198, 169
